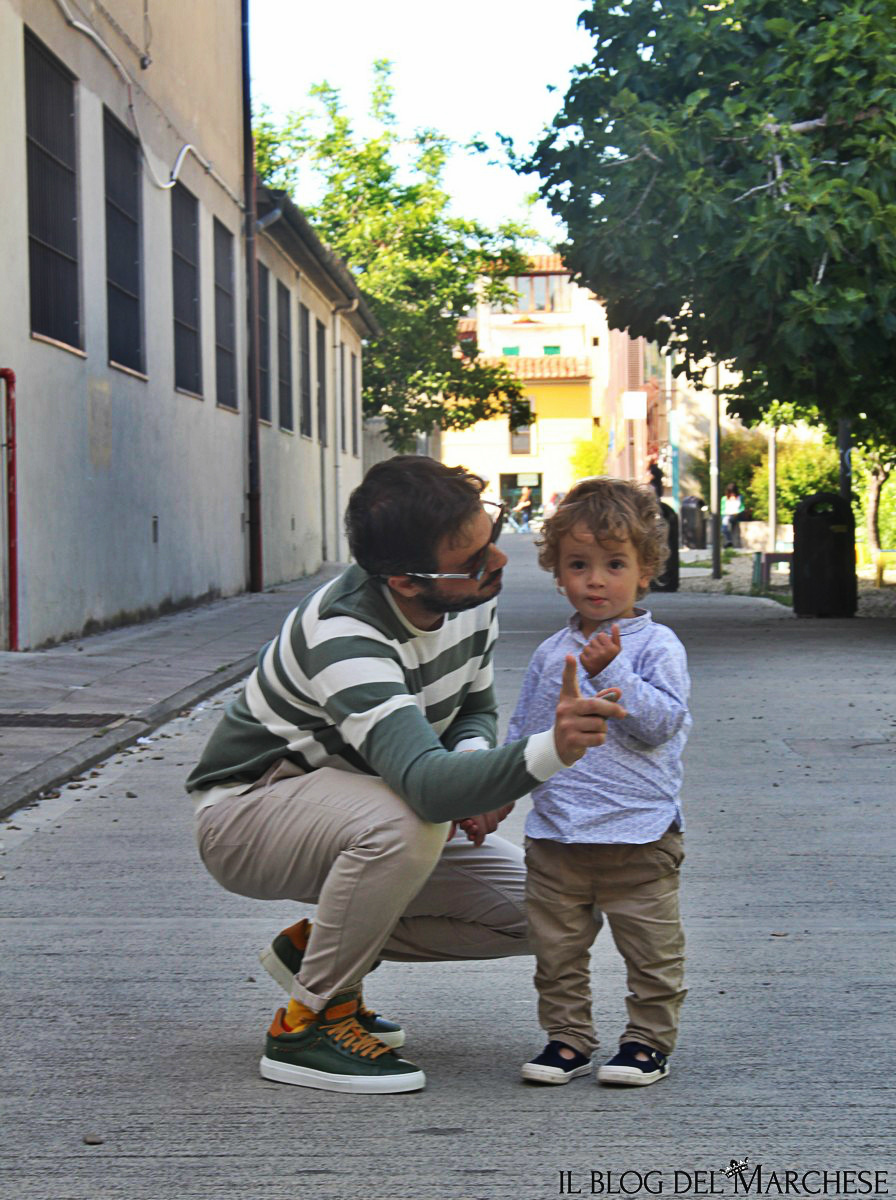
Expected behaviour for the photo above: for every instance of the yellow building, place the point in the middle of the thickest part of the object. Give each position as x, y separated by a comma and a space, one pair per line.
555, 338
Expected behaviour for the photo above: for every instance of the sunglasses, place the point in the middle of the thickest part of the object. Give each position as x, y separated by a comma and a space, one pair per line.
482, 558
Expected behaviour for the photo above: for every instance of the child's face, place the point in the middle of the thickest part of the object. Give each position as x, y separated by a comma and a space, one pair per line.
601, 579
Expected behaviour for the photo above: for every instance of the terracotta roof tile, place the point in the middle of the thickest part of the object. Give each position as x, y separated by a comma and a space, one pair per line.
548, 366
547, 263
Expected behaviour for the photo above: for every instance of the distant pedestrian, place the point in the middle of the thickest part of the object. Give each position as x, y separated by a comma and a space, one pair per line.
522, 511
732, 509
655, 478
605, 837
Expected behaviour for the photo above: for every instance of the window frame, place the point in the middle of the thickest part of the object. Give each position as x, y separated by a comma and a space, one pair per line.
323, 432
226, 386
117, 293
306, 418
264, 343
51, 151
285, 414
182, 199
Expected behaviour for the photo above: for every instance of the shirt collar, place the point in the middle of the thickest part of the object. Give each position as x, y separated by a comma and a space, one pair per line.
626, 624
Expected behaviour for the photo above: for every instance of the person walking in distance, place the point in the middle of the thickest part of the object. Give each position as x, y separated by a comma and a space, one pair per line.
366, 731
604, 839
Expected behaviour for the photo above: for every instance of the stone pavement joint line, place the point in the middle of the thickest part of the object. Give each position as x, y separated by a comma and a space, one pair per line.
65, 709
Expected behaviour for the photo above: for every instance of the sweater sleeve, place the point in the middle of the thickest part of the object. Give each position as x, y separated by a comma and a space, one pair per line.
381, 721
655, 695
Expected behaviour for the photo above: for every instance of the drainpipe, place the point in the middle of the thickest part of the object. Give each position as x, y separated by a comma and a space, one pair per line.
339, 408
256, 566
12, 547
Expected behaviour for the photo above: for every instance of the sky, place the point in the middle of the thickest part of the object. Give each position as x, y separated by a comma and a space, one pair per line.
466, 68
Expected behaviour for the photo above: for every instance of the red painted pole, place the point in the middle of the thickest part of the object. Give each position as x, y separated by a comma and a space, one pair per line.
12, 546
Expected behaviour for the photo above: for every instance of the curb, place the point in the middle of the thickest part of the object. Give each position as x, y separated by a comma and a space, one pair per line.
54, 772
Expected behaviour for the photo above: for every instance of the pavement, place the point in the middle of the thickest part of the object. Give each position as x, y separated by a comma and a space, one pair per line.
134, 1006
64, 709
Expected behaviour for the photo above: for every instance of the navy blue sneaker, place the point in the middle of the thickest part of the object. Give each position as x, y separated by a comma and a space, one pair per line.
551, 1067
626, 1068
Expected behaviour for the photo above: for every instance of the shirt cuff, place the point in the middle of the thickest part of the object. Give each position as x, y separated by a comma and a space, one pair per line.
471, 743
541, 757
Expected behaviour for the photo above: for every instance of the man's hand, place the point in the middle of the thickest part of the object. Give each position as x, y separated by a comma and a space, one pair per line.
601, 651
478, 828
580, 723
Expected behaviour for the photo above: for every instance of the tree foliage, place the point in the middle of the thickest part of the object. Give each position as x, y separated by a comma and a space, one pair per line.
740, 453
589, 456
727, 174
802, 468
383, 208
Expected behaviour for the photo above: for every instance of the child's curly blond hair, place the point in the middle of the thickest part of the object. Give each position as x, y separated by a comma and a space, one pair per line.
611, 510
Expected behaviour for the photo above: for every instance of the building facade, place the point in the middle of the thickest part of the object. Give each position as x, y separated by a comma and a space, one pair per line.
123, 326
585, 383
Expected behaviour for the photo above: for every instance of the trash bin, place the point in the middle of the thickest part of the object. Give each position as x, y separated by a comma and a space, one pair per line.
824, 563
668, 581
693, 523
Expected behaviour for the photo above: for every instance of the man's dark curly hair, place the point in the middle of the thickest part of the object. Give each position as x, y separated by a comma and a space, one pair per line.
403, 509
611, 510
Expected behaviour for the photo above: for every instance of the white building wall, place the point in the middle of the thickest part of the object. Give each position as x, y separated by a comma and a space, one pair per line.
131, 494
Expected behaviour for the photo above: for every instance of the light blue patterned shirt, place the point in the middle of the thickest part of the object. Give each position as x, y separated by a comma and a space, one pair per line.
626, 791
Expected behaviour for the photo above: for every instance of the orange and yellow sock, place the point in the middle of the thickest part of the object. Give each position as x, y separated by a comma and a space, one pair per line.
298, 1015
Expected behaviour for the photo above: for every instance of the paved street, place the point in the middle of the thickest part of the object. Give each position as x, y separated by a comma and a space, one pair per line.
134, 1006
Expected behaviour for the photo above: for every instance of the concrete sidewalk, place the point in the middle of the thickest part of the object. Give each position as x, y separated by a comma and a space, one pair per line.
65, 709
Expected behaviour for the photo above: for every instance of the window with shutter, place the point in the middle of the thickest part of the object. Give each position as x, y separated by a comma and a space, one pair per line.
53, 254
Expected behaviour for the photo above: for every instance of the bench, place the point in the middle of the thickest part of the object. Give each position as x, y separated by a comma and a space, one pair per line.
762, 565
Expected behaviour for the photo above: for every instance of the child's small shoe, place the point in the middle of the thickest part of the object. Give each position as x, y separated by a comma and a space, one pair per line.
626, 1068
552, 1067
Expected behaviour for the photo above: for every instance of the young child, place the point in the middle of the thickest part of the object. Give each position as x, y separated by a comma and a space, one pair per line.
604, 836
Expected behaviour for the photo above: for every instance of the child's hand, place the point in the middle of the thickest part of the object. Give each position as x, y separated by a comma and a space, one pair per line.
601, 651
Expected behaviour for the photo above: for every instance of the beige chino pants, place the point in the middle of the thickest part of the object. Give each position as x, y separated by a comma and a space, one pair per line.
568, 887
386, 883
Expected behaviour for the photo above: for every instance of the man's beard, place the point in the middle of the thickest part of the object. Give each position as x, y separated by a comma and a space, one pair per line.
433, 600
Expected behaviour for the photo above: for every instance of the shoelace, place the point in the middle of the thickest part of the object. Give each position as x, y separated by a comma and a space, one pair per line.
356, 1038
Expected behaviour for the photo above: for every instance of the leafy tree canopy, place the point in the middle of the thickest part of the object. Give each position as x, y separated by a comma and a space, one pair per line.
727, 174
384, 209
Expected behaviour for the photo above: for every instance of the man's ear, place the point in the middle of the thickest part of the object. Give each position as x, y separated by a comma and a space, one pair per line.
405, 585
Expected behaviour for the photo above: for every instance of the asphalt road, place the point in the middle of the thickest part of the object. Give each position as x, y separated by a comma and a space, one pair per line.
134, 1006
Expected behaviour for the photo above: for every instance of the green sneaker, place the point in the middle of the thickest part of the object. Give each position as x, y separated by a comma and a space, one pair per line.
282, 960
336, 1054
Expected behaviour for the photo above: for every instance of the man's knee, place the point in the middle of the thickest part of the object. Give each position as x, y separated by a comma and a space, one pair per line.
415, 843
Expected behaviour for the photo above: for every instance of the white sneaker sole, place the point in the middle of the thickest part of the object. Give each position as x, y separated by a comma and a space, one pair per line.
629, 1076
536, 1073
279, 972
324, 1081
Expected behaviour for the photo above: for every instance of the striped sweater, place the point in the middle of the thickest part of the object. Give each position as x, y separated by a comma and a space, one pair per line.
349, 683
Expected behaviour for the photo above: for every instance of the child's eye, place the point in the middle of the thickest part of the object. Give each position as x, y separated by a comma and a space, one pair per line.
617, 565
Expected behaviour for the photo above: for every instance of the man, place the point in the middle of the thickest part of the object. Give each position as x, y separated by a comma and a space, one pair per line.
367, 729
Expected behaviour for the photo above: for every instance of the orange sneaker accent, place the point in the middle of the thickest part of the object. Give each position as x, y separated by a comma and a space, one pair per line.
299, 934
338, 1012
296, 1016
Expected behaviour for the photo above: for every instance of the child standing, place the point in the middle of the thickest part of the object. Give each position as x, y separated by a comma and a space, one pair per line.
604, 836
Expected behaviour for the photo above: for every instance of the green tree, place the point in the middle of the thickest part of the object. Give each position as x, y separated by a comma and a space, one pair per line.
589, 456
740, 454
725, 169
384, 209
802, 469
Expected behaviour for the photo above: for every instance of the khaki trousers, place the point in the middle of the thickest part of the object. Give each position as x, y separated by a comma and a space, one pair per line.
386, 883
568, 887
